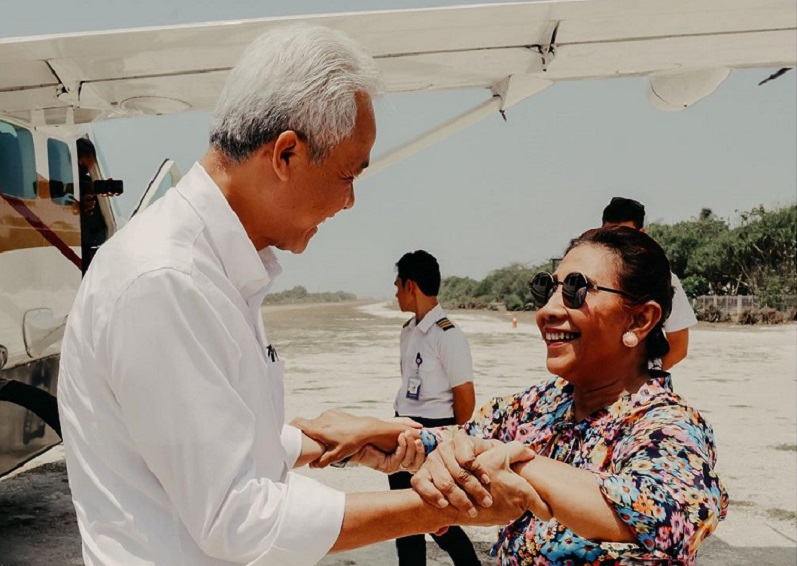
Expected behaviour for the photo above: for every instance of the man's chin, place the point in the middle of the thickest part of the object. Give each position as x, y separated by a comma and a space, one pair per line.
300, 245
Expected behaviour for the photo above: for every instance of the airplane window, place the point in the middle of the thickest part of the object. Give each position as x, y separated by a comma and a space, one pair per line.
17, 162
62, 186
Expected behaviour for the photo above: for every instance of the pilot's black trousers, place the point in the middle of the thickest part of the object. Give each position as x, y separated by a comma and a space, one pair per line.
412, 549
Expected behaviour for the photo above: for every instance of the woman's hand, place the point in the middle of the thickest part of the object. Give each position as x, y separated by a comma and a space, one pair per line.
450, 476
408, 456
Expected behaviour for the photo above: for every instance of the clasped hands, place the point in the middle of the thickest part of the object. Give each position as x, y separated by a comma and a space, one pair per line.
387, 445
471, 475
477, 477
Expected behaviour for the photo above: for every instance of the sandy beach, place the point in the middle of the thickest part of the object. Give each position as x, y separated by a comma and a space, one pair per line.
742, 379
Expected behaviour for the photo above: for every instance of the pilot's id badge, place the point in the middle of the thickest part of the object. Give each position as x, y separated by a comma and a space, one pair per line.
414, 388
414, 383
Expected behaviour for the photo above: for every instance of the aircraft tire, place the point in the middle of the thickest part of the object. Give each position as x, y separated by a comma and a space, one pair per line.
32, 398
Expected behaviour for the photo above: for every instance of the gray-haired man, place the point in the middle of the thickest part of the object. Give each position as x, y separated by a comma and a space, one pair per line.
170, 391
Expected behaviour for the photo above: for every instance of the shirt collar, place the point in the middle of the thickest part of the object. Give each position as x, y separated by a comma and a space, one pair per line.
431, 317
251, 271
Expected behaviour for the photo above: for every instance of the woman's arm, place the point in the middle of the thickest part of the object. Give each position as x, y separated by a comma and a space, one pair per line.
661, 493
575, 499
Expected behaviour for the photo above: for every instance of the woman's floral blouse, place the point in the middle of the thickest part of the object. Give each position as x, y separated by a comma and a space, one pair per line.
651, 453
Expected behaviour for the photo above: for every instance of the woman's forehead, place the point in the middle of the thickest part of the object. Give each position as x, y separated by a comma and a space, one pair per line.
596, 262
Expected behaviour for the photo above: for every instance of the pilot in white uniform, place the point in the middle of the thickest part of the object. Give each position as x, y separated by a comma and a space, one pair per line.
436, 384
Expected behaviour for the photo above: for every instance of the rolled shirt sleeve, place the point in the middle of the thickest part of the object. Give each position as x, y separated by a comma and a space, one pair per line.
664, 487
291, 439
305, 518
182, 402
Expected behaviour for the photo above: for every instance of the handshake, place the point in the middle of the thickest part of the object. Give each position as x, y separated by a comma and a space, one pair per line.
481, 479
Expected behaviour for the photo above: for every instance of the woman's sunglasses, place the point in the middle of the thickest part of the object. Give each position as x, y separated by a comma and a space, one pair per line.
574, 289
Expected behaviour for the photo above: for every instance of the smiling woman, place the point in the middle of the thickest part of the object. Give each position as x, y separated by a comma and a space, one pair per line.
615, 295
623, 467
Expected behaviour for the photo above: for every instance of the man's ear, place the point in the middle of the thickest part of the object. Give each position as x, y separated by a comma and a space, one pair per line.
645, 319
287, 146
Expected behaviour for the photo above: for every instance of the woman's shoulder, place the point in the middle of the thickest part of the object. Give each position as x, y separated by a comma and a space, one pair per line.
656, 406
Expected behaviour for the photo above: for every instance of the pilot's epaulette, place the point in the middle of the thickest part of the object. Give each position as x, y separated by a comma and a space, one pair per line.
445, 324
406, 324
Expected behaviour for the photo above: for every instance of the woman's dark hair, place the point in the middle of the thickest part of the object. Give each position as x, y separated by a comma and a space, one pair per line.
643, 273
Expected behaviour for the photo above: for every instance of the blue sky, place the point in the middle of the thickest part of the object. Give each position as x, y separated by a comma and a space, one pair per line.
498, 192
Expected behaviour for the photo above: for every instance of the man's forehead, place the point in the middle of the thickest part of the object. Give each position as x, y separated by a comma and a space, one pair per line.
358, 156
366, 120
354, 152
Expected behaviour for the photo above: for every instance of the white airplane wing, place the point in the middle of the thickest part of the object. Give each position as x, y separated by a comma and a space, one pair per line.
513, 49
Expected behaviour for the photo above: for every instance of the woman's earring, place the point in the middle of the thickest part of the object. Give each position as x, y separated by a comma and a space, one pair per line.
630, 339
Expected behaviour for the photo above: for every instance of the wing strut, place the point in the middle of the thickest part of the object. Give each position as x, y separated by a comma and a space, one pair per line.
506, 94
475, 114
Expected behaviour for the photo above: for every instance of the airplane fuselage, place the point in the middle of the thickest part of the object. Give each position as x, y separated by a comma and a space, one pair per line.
40, 271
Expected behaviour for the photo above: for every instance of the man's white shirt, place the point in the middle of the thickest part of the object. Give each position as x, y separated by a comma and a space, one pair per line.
445, 363
172, 404
682, 315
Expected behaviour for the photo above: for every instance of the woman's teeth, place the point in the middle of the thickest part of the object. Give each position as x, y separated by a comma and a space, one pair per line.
560, 336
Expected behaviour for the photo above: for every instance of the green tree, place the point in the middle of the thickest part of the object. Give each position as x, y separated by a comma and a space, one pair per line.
759, 256
299, 294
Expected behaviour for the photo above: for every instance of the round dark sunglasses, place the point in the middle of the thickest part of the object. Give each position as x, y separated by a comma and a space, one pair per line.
574, 289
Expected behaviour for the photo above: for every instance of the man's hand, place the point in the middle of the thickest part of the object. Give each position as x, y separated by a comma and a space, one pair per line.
408, 456
448, 474
512, 497
344, 434
506, 486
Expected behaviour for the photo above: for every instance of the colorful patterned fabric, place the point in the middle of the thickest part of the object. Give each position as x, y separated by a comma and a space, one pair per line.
652, 455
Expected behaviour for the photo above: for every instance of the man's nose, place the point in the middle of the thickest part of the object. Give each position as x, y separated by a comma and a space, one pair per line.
349, 199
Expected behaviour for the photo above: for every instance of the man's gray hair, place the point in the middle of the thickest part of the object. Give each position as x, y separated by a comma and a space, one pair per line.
300, 78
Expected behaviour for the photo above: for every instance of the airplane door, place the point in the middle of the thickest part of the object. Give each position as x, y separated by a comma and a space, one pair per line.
167, 176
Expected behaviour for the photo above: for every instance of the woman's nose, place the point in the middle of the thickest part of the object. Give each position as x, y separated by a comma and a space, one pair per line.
554, 308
